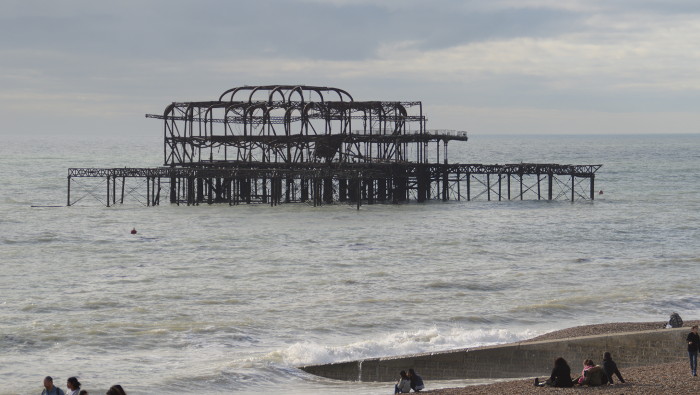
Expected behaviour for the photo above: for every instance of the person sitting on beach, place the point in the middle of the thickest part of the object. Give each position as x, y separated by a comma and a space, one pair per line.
674, 321
587, 364
594, 375
403, 386
115, 390
49, 388
560, 377
73, 385
610, 368
416, 380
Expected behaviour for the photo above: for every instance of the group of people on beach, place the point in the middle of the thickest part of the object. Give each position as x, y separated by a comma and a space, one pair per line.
73, 386
592, 375
408, 381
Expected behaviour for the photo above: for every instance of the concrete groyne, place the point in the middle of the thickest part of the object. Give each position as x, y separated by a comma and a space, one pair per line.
515, 360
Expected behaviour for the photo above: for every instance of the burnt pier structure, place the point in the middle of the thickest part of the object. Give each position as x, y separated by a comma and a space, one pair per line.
293, 143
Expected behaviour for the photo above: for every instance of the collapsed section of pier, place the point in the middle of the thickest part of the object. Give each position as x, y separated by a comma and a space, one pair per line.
293, 143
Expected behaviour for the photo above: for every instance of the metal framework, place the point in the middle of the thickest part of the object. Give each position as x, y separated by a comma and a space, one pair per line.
293, 143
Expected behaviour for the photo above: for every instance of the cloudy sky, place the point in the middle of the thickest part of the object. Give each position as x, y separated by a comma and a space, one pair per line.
487, 67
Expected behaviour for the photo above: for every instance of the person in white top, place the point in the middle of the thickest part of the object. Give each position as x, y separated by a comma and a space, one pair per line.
73, 386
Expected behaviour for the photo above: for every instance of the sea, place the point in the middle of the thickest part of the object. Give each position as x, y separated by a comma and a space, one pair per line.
215, 299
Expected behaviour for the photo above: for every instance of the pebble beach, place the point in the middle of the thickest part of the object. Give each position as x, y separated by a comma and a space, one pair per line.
667, 378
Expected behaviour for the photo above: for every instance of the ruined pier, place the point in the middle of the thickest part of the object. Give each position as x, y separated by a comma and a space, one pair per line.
317, 145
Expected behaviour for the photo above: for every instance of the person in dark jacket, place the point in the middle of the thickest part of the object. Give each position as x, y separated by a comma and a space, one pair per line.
416, 380
560, 377
610, 368
49, 388
693, 346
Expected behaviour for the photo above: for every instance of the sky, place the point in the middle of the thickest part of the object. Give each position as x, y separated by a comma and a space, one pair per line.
486, 67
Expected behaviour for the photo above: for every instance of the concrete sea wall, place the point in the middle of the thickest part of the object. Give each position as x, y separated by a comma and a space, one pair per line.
524, 359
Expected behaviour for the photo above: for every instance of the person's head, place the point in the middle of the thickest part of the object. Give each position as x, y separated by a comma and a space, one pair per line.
560, 362
403, 374
589, 362
115, 390
73, 384
83, 392
607, 356
694, 328
48, 383
411, 372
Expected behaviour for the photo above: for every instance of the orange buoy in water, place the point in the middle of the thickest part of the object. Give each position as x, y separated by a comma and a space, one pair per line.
133, 231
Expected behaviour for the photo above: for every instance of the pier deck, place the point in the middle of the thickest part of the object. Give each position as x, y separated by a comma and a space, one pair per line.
325, 184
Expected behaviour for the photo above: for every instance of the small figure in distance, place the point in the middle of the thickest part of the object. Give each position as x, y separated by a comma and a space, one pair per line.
133, 231
416, 380
116, 389
73, 385
610, 368
83, 392
403, 386
50, 389
693, 340
560, 377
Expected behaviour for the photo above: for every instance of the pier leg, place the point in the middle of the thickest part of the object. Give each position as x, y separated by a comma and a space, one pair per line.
469, 191
328, 190
521, 187
500, 178
573, 187
108, 191
68, 202
488, 187
508, 185
445, 185
592, 187
459, 190
173, 190
551, 180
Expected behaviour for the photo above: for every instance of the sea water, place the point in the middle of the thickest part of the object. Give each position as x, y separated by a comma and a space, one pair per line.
216, 299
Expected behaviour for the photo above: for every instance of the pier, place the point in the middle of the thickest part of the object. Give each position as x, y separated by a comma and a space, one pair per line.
315, 145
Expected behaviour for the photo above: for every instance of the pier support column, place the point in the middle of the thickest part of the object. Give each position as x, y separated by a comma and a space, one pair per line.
573, 188
68, 202
488, 187
445, 183
469, 187
328, 190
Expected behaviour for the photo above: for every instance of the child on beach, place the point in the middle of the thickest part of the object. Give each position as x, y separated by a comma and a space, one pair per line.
610, 368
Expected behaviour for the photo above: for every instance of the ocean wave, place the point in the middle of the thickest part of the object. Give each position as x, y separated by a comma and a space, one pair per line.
395, 343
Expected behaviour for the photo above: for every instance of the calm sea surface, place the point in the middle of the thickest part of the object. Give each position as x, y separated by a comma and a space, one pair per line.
215, 299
